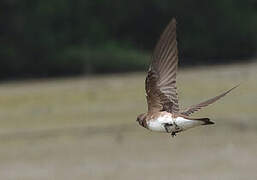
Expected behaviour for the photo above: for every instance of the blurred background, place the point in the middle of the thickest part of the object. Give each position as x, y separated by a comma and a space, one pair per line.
71, 37
72, 83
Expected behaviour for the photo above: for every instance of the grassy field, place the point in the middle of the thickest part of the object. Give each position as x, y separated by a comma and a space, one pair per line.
84, 128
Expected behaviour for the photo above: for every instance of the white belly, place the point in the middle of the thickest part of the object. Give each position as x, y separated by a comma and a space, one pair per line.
186, 123
182, 123
158, 124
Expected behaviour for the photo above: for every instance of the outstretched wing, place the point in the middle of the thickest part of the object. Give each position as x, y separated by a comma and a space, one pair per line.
160, 85
197, 107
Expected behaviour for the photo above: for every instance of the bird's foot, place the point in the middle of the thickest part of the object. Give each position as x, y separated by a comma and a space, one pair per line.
173, 134
168, 127
177, 130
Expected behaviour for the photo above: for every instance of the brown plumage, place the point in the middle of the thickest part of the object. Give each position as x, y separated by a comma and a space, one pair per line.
160, 84
163, 113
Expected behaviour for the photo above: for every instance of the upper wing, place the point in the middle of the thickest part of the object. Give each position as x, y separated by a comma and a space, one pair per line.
160, 85
197, 107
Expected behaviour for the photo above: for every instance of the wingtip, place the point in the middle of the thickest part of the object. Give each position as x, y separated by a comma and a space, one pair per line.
237, 85
234, 87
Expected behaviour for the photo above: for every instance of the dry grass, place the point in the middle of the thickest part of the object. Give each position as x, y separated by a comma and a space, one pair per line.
84, 128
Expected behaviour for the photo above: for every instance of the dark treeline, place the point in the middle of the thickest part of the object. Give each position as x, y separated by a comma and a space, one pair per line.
40, 38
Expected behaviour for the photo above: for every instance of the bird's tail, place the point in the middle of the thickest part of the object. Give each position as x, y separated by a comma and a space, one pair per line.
206, 121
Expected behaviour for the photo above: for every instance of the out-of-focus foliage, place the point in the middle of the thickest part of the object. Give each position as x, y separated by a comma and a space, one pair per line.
58, 37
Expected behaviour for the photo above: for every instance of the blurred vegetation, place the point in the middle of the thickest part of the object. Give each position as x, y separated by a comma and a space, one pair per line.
62, 37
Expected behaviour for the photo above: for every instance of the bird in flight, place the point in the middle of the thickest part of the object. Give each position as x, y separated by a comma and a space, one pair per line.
163, 113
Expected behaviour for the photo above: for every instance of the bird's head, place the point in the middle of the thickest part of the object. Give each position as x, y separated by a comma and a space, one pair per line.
141, 119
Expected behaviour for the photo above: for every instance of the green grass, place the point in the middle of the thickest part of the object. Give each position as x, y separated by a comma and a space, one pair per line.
84, 128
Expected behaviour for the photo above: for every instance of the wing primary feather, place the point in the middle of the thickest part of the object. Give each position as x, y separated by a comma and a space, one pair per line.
169, 58
169, 44
163, 42
161, 79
